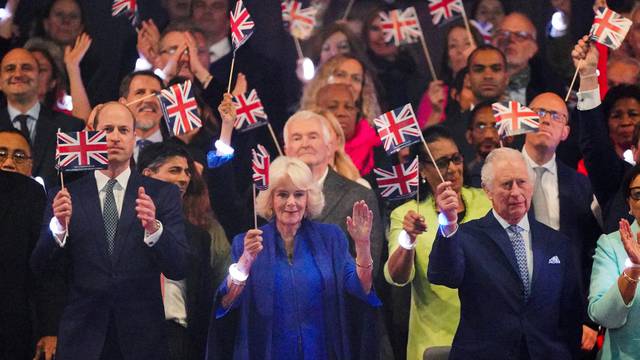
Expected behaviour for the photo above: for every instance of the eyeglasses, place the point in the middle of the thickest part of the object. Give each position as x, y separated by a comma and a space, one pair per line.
18, 156
554, 115
634, 193
517, 36
443, 162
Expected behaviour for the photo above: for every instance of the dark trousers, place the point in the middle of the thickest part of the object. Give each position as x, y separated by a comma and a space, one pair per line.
179, 342
111, 348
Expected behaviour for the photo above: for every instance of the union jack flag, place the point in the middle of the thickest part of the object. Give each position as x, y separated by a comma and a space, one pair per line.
241, 25
127, 7
180, 108
401, 27
82, 150
485, 29
250, 112
444, 11
609, 28
300, 22
398, 183
260, 166
512, 118
398, 128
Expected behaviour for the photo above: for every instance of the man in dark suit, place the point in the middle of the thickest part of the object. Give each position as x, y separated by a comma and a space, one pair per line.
516, 278
23, 202
562, 198
122, 233
188, 302
19, 83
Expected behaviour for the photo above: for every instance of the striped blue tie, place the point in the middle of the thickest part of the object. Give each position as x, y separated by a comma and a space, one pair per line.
110, 215
515, 234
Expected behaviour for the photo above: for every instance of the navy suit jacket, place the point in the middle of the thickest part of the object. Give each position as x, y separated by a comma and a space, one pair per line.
480, 262
124, 287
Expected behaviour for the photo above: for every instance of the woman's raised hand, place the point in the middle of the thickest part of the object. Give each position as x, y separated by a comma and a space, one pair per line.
630, 242
252, 247
413, 224
359, 223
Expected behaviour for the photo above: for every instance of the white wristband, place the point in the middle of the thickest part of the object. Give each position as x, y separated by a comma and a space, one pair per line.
442, 220
628, 264
237, 276
405, 241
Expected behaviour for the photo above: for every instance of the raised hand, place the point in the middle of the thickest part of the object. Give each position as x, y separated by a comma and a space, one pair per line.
588, 54
359, 224
146, 210
149, 41
241, 85
630, 242
46, 348
413, 224
436, 94
447, 201
62, 208
171, 67
73, 56
198, 68
252, 247
227, 110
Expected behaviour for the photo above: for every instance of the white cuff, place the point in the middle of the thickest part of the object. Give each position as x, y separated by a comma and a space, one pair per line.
58, 232
588, 100
223, 149
405, 241
448, 234
237, 276
151, 239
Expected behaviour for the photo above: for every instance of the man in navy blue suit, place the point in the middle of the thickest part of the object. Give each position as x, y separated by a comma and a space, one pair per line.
516, 278
119, 234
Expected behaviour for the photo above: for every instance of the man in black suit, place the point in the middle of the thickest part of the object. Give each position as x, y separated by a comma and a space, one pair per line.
19, 83
188, 302
21, 209
562, 198
120, 233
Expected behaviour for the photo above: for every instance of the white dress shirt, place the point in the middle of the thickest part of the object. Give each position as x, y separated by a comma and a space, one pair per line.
526, 236
550, 185
219, 50
156, 137
33, 114
175, 305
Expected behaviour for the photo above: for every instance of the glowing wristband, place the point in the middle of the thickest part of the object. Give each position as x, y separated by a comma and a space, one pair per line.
631, 265
443, 221
405, 241
237, 276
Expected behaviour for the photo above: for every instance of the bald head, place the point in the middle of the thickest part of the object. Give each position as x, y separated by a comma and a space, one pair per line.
554, 128
516, 37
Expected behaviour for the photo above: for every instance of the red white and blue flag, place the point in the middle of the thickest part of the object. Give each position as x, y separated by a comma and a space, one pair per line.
260, 166
241, 25
609, 28
250, 112
82, 150
300, 22
398, 128
180, 108
443, 11
126, 7
513, 118
398, 183
485, 29
400, 27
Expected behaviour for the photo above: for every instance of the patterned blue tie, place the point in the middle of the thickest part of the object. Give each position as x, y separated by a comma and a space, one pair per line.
515, 234
142, 143
110, 215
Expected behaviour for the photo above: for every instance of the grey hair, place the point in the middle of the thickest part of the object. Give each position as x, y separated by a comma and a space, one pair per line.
500, 154
306, 115
281, 169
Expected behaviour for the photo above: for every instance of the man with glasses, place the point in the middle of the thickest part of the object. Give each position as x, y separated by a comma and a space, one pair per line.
562, 198
482, 134
528, 75
15, 152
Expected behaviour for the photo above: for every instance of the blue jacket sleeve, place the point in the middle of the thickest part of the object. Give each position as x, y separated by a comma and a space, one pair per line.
236, 251
446, 261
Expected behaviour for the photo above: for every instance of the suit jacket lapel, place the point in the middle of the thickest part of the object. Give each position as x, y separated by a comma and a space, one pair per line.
494, 230
128, 216
331, 198
564, 195
5, 121
44, 127
90, 207
540, 252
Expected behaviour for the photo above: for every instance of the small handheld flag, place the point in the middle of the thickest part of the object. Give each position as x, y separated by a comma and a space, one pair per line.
443, 11
400, 27
398, 128
512, 118
485, 29
82, 150
127, 7
260, 166
241, 25
250, 112
398, 183
180, 108
300, 22
609, 28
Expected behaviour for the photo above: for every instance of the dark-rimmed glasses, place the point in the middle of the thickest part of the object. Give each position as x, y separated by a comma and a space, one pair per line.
18, 156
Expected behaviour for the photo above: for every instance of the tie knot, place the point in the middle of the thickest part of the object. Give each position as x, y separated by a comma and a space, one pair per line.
515, 229
141, 143
540, 170
110, 184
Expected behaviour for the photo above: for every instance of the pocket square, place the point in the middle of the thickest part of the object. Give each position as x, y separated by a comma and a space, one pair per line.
554, 260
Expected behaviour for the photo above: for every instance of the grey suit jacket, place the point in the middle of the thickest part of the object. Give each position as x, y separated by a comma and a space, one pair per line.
339, 195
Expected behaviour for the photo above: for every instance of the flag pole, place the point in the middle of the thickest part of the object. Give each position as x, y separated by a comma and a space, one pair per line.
255, 215
140, 99
418, 191
426, 53
433, 161
66, 225
348, 10
575, 75
298, 48
233, 61
466, 25
275, 140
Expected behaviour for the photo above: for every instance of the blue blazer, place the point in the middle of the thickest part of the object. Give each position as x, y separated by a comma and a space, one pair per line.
480, 262
255, 305
124, 288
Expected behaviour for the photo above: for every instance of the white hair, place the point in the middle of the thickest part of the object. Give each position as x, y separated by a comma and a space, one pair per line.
500, 154
308, 116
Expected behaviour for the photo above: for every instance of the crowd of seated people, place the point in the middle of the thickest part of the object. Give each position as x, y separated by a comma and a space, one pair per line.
512, 247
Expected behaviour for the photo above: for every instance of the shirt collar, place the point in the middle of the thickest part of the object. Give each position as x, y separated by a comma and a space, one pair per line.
33, 113
323, 178
523, 223
155, 137
550, 165
220, 49
122, 179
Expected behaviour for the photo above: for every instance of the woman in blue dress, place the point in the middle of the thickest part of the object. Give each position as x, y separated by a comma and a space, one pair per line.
290, 278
